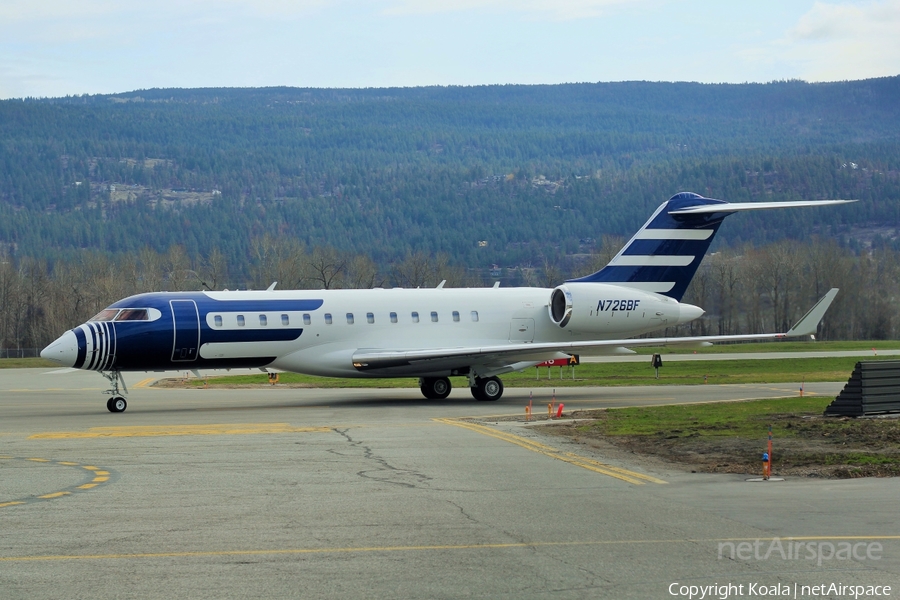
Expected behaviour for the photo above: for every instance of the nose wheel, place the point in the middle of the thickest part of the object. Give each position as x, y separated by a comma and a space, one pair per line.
116, 404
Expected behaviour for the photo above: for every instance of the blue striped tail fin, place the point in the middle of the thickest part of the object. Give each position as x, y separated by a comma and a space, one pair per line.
664, 254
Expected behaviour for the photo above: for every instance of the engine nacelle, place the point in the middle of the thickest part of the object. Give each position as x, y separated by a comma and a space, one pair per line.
599, 308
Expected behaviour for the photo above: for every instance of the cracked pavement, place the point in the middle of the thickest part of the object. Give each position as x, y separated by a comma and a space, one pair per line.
361, 493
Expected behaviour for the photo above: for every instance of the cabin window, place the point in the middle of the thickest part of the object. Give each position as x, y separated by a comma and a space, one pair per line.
286, 320
218, 320
307, 319
393, 317
328, 318
105, 315
240, 320
475, 316
370, 318
434, 318
456, 316
415, 317
349, 318
133, 314
263, 320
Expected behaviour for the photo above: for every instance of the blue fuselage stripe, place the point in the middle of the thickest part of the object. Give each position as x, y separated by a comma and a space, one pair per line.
82, 347
147, 345
214, 336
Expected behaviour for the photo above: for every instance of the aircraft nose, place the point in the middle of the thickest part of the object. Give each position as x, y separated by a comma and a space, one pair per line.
63, 351
689, 312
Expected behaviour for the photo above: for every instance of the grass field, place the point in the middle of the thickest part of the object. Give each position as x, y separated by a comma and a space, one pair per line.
605, 374
804, 346
731, 436
587, 374
26, 363
746, 419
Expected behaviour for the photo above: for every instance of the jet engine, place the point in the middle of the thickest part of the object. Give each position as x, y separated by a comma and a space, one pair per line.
598, 308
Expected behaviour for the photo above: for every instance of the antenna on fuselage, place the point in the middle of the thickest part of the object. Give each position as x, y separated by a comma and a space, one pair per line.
272, 287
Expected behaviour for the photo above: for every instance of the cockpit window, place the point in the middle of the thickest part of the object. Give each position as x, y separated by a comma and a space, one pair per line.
107, 314
133, 314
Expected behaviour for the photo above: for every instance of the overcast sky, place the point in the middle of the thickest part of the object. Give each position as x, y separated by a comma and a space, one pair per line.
62, 47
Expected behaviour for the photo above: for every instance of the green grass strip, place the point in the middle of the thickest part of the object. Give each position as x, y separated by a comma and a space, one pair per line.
608, 374
803, 346
749, 419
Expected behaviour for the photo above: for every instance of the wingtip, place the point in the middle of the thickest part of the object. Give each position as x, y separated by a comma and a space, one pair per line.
809, 323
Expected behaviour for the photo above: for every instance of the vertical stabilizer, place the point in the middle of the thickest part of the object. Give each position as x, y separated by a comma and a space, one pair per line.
664, 254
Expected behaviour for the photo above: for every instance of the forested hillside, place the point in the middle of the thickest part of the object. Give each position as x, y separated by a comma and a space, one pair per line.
534, 171
224, 186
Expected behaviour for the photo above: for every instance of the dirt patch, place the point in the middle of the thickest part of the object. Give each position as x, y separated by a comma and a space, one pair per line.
814, 446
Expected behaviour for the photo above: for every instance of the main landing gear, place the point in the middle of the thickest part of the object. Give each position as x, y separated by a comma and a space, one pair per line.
483, 389
487, 389
117, 403
435, 388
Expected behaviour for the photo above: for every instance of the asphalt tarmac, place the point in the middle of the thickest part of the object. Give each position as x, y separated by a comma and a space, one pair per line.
302, 493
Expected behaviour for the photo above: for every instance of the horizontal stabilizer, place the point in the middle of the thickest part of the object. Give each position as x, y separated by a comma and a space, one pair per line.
740, 206
808, 324
663, 256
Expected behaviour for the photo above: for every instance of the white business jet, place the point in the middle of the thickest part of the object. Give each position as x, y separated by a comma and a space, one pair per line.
432, 334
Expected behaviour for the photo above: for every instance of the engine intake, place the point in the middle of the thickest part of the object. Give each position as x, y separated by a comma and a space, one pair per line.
561, 305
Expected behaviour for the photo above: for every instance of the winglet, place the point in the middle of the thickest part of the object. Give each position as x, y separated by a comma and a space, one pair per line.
810, 321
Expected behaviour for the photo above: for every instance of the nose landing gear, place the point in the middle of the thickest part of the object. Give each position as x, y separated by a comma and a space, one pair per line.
117, 403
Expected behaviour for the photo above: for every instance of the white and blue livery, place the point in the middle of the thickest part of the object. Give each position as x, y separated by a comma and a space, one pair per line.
432, 334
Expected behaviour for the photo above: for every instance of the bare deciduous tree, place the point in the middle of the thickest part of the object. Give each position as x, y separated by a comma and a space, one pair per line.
213, 271
748, 290
325, 268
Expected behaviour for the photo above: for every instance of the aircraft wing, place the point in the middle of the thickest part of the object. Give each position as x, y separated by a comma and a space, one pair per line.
509, 354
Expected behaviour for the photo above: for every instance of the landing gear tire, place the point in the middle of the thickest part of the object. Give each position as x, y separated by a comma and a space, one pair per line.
435, 388
488, 389
116, 405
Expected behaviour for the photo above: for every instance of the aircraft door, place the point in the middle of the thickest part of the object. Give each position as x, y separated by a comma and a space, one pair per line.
186, 329
521, 330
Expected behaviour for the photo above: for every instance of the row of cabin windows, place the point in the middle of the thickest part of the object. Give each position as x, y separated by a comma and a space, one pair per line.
263, 320
414, 316
370, 318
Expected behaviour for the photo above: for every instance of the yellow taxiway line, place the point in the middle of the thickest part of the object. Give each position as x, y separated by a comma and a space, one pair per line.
424, 547
169, 430
98, 475
573, 459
